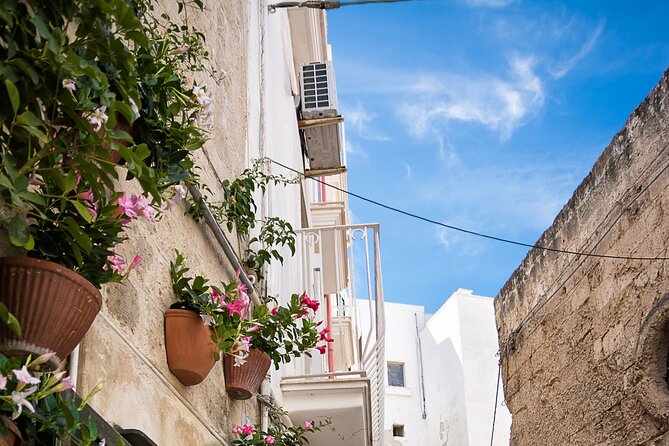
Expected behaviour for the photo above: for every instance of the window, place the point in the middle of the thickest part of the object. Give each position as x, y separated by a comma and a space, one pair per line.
398, 430
396, 374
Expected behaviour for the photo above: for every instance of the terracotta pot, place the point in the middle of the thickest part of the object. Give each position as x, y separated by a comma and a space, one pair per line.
54, 305
243, 381
190, 349
13, 437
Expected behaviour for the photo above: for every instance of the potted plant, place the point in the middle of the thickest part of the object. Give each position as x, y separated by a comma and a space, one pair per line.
279, 433
33, 401
207, 320
276, 336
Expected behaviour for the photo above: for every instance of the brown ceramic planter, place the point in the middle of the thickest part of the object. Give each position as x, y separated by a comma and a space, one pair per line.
190, 349
54, 305
242, 382
13, 437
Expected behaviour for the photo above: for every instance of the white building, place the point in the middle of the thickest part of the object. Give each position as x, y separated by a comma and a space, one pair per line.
442, 374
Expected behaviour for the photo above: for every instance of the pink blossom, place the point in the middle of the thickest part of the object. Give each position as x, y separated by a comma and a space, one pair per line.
308, 425
43, 358
144, 208
126, 205
117, 263
24, 376
321, 348
247, 429
3, 382
310, 303
67, 383
216, 298
270, 440
237, 430
134, 263
324, 335
274, 311
256, 327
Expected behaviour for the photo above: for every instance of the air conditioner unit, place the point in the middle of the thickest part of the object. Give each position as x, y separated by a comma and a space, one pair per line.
319, 93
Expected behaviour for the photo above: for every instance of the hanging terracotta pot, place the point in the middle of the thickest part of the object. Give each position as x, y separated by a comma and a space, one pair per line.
243, 381
13, 437
54, 306
190, 349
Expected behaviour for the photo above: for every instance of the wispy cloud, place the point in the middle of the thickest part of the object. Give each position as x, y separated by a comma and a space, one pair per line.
354, 152
501, 103
407, 167
361, 120
565, 66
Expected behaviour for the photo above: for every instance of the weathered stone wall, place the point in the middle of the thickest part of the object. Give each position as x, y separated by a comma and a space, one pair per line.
584, 340
124, 350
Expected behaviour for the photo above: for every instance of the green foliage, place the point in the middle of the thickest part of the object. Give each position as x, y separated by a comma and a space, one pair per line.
286, 331
282, 434
274, 233
53, 411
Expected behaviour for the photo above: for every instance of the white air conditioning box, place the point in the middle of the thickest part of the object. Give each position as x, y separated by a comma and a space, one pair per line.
318, 90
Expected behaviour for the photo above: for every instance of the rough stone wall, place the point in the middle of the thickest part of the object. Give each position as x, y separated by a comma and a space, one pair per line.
584, 340
124, 350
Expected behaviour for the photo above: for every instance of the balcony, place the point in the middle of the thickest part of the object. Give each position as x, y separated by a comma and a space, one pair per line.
346, 384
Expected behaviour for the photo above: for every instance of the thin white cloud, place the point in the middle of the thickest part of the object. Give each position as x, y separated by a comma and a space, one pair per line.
499, 103
354, 152
407, 167
565, 66
361, 120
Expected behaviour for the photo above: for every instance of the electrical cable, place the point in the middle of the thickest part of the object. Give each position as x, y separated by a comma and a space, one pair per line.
468, 231
494, 414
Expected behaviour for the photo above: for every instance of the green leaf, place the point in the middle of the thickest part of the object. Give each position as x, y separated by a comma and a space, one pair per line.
19, 234
9, 320
83, 210
82, 239
70, 181
13, 93
40, 26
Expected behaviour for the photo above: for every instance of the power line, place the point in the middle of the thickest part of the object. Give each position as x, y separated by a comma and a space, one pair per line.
468, 231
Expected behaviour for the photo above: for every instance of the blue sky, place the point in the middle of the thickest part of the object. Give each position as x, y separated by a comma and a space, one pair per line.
485, 114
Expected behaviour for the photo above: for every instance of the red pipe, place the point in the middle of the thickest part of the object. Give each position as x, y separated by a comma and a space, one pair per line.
328, 309
323, 200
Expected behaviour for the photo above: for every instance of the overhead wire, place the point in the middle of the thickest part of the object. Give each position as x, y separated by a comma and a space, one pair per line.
468, 231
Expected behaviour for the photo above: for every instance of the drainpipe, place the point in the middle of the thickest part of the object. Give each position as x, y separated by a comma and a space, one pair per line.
419, 350
74, 366
222, 241
328, 309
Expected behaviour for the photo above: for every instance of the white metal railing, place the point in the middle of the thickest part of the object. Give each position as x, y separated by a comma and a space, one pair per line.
344, 262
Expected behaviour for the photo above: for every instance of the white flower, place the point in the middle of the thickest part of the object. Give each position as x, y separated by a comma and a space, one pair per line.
240, 359
19, 398
179, 194
206, 319
67, 383
133, 106
69, 84
24, 376
201, 96
103, 442
3, 382
98, 117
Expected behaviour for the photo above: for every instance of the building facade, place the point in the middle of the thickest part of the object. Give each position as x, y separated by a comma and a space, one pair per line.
442, 374
583, 338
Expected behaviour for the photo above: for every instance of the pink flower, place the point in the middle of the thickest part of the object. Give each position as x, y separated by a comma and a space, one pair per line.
274, 311
256, 327
24, 376
247, 429
310, 303
126, 206
117, 263
216, 298
67, 383
134, 263
236, 306
237, 430
321, 348
324, 335
144, 208
3, 382
308, 425
270, 440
